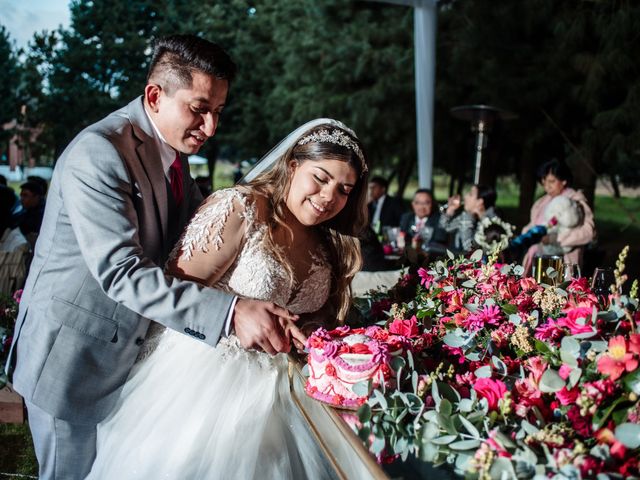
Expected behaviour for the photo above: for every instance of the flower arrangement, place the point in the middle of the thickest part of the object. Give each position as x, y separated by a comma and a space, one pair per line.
508, 378
8, 315
493, 234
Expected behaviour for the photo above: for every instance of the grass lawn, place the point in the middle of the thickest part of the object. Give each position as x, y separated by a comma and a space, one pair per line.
16, 452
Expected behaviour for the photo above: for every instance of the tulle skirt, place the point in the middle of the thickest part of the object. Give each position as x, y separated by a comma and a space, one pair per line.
190, 411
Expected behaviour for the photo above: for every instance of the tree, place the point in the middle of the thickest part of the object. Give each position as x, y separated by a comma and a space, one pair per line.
9, 66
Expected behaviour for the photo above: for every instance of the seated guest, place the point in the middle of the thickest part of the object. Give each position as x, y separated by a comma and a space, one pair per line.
30, 219
14, 248
479, 203
17, 206
556, 177
424, 220
384, 211
373, 258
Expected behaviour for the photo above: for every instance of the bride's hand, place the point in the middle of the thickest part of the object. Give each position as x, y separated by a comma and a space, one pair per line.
292, 331
257, 325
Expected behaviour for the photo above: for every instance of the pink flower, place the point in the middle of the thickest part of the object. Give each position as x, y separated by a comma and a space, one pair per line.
406, 328
634, 343
425, 278
489, 315
549, 331
571, 320
617, 360
492, 390
564, 371
17, 295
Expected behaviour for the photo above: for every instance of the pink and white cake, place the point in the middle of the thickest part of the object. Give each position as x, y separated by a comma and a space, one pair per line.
341, 358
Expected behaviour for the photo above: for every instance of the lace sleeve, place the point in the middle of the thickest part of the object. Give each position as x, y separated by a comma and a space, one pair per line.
213, 238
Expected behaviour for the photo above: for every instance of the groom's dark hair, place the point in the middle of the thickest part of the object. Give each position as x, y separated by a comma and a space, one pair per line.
176, 57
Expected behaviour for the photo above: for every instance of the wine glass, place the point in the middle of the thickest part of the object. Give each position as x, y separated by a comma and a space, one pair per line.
570, 271
601, 282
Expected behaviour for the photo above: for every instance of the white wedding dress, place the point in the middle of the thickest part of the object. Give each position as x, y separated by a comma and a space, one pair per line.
190, 411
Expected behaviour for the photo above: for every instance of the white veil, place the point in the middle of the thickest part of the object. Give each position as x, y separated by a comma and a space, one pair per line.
266, 162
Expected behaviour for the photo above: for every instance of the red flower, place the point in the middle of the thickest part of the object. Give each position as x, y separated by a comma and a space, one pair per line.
580, 423
617, 360
406, 328
492, 390
567, 397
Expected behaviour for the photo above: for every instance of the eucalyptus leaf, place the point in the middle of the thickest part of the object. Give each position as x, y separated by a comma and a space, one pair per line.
570, 345
483, 372
574, 377
364, 413
628, 434
469, 283
529, 428
568, 358
435, 393
551, 381
381, 399
469, 427
518, 270
499, 364
377, 446
429, 452
446, 423
450, 254
448, 392
455, 340
466, 404
476, 256
397, 363
445, 407
465, 445
444, 440
414, 381
515, 319
361, 388
473, 356
503, 468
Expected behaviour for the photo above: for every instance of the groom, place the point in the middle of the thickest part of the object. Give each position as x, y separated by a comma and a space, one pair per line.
120, 196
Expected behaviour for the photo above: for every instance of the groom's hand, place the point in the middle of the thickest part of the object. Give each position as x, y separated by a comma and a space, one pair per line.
256, 325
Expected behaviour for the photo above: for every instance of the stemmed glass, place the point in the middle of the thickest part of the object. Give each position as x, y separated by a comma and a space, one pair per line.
570, 271
601, 283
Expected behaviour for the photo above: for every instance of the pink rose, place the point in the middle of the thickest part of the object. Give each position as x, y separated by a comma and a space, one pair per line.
492, 390
406, 328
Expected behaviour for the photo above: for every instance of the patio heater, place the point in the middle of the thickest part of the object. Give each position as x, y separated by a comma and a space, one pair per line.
481, 119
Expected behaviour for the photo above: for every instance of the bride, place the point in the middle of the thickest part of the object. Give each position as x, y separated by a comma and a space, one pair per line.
189, 411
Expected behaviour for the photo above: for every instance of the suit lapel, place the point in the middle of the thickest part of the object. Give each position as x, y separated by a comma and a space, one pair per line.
149, 157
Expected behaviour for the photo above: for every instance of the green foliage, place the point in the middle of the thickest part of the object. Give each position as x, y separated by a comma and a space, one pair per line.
9, 68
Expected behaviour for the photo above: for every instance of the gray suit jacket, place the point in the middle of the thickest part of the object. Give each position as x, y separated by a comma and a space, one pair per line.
96, 278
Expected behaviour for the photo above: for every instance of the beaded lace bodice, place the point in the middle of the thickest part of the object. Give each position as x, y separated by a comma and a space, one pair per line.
255, 273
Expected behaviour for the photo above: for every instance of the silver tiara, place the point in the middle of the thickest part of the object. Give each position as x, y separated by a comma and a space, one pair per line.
337, 137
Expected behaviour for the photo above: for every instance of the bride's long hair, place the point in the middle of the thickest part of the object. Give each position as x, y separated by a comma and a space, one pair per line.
339, 233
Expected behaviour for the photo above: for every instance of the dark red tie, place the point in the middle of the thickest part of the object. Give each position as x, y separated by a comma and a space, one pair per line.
175, 177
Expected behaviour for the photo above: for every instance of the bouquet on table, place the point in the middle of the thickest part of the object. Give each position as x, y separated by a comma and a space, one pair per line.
508, 378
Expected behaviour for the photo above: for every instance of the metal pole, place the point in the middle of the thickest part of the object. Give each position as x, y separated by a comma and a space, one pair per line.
425, 25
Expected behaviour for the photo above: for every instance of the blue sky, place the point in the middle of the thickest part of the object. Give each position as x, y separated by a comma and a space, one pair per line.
22, 18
